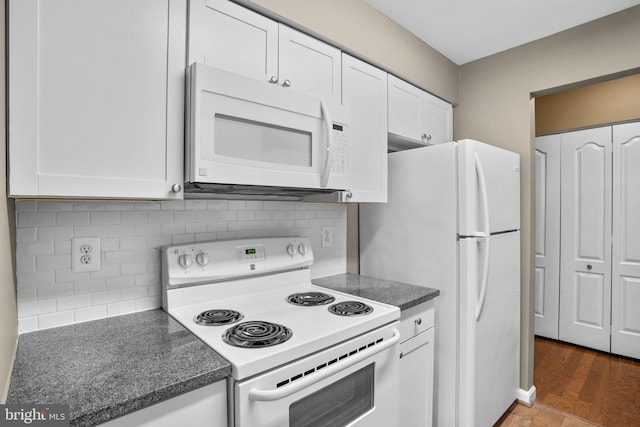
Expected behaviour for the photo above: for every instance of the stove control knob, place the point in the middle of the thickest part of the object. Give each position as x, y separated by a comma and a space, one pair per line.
185, 260
202, 259
302, 249
291, 250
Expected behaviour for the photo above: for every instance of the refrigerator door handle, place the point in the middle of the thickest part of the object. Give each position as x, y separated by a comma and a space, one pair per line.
483, 193
485, 276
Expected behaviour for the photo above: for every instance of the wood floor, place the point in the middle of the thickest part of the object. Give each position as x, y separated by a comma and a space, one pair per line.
579, 387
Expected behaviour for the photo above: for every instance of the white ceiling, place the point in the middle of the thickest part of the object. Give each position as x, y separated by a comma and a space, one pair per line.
466, 30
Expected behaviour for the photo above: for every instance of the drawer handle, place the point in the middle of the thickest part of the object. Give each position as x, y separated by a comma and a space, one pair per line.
418, 321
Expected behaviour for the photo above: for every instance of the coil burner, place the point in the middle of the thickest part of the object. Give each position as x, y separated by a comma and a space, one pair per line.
256, 334
350, 308
218, 317
310, 298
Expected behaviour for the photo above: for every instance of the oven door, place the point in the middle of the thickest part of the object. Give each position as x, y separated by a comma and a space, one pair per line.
352, 384
243, 131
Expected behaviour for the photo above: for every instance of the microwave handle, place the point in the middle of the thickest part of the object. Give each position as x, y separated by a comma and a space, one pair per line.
258, 395
326, 170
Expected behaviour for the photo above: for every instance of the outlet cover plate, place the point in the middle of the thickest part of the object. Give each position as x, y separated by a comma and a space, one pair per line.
85, 254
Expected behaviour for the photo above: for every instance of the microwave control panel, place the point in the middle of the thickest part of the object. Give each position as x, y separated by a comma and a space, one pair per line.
340, 149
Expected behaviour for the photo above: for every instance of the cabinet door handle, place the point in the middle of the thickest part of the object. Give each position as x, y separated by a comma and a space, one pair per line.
589, 267
418, 321
273, 80
176, 188
287, 83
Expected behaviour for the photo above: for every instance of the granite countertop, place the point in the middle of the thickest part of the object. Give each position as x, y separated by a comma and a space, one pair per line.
110, 367
400, 294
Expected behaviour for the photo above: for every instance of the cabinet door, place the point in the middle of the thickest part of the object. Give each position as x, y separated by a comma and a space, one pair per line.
405, 109
416, 380
96, 97
225, 35
365, 97
625, 292
437, 120
585, 273
308, 65
547, 273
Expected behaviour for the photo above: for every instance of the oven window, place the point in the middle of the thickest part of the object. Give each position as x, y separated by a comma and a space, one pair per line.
337, 404
251, 140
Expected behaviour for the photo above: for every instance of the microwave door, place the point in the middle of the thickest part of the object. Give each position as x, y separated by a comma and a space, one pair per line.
245, 132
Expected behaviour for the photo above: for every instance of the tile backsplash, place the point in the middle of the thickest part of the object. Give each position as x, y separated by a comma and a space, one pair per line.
131, 234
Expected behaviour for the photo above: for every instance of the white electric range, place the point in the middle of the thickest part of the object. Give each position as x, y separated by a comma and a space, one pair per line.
300, 354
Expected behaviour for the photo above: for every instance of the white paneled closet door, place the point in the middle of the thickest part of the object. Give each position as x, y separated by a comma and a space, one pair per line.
585, 276
547, 277
625, 294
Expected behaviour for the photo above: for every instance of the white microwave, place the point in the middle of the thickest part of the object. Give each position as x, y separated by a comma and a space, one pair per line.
249, 138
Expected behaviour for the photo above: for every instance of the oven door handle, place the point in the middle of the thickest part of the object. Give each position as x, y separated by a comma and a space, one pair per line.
291, 388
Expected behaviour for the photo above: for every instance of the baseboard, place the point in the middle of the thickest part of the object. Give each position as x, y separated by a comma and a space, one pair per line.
527, 397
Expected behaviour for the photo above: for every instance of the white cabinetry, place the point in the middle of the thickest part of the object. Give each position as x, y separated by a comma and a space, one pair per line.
96, 98
416, 117
206, 406
597, 284
364, 94
225, 35
417, 333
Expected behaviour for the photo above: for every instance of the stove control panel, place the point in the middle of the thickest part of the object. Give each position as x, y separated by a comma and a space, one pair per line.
216, 260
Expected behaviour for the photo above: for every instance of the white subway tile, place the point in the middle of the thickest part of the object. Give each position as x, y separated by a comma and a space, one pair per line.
185, 216
34, 249
196, 227
90, 313
148, 303
156, 242
228, 216
195, 205
120, 308
36, 308
26, 205
27, 324
54, 291
106, 270
151, 278
62, 247
38, 219
55, 233
104, 217
26, 293
107, 297
89, 230
146, 206
120, 230
54, 262
55, 320
26, 235
89, 286
137, 217
134, 243
73, 302
72, 218
133, 268
66, 275
172, 205
161, 217
54, 205
89, 206
203, 237
24, 265
147, 229
120, 282
119, 257
110, 244
216, 205
119, 206
174, 228
36, 278
136, 292
214, 227
179, 239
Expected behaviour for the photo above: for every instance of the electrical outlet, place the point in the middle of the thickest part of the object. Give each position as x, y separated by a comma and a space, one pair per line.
327, 237
85, 254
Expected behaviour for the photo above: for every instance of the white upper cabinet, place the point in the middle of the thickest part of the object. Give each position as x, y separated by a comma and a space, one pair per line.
365, 97
225, 35
416, 117
96, 98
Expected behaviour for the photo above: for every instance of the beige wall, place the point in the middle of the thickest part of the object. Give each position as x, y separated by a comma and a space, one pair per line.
363, 31
8, 315
495, 106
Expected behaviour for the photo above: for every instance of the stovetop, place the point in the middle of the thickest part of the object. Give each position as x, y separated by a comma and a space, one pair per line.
262, 297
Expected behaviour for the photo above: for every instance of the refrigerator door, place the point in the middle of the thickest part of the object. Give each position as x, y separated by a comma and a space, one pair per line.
489, 328
488, 189
412, 239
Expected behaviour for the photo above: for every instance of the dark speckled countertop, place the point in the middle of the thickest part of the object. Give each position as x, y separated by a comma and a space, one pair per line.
110, 367
400, 294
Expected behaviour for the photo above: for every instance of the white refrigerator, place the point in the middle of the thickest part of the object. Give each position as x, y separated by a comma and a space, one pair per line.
452, 223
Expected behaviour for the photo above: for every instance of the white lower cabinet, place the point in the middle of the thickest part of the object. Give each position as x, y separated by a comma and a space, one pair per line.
206, 406
417, 334
96, 98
